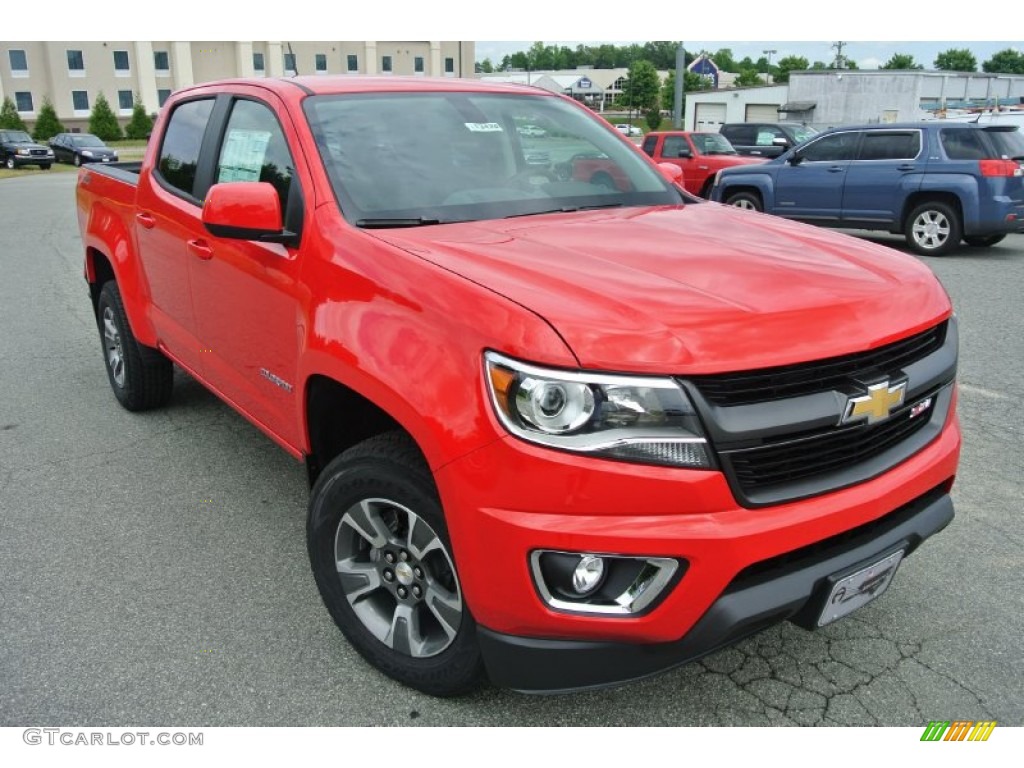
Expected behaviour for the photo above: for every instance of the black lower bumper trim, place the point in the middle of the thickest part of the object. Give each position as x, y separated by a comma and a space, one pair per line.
538, 665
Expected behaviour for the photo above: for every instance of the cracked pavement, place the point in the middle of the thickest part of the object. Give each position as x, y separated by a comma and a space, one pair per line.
154, 566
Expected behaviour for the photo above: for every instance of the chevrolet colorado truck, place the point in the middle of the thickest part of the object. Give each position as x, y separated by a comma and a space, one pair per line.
700, 155
558, 434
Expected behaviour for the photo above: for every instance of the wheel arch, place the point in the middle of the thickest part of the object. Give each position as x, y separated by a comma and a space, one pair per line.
930, 196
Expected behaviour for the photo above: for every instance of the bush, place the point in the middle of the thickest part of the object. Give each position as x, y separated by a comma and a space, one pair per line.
47, 125
141, 124
653, 117
9, 117
102, 122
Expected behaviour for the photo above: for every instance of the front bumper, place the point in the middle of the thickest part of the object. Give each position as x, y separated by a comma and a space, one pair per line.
32, 159
510, 498
794, 588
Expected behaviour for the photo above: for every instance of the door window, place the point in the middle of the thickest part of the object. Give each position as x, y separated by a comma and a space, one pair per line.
255, 149
672, 146
883, 145
179, 154
831, 148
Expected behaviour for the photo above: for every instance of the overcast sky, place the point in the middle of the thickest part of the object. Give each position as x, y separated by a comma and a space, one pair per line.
868, 55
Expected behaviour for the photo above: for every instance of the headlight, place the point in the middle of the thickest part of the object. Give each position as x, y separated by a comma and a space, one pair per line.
23, 152
634, 418
87, 153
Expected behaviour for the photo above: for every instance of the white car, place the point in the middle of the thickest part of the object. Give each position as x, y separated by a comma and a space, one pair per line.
629, 130
532, 130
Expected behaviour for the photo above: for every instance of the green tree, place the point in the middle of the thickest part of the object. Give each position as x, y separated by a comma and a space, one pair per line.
901, 61
642, 86
724, 61
102, 122
749, 77
653, 117
1007, 61
819, 65
485, 66
47, 124
9, 117
956, 60
141, 124
747, 63
789, 64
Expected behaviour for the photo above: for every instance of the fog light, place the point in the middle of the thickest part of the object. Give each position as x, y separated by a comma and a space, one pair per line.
588, 574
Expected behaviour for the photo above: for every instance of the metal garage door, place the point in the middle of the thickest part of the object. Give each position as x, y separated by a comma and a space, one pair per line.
709, 117
762, 113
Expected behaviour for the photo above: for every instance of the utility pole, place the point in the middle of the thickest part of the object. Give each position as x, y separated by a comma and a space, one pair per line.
840, 59
677, 109
768, 75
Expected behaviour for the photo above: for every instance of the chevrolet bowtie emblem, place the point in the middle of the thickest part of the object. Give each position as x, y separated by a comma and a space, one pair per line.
877, 404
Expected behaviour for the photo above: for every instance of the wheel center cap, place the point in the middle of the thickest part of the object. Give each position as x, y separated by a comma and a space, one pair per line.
404, 574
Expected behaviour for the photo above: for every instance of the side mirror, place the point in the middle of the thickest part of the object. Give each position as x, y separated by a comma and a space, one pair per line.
795, 158
245, 210
685, 152
779, 141
672, 173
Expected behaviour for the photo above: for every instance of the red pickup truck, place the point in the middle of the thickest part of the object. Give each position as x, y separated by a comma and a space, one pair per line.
700, 155
558, 433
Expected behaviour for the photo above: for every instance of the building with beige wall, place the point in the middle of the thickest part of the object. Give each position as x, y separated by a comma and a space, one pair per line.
72, 74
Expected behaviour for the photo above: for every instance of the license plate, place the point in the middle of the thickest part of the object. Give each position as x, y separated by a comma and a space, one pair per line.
851, 592
106, 159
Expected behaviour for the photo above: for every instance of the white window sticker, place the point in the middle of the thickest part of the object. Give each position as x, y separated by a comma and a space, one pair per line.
243, 155
484, 127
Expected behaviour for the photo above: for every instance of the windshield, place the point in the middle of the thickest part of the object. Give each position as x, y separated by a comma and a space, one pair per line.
1009, 144
712, 144
402, 159
87, 141
17, 137
803, 133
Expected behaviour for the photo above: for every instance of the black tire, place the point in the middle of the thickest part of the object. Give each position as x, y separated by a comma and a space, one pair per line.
983, 241
141, 377
746, 200
371, 487
10, 164
933, 229
705, 191
77, 161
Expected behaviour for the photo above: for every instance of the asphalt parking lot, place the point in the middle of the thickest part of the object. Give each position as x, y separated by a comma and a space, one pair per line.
154, 568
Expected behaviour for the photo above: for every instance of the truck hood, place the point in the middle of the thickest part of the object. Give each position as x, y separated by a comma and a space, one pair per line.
703, 288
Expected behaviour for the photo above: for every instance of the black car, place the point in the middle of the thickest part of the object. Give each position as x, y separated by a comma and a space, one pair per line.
765, 139
17, 148
79, 148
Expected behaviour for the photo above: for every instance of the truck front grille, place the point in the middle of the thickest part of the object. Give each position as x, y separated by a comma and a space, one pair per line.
769, 384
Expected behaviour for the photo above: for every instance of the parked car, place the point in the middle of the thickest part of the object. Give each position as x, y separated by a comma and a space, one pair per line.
934, 182
700, 156
629, 129
533, 131
18, 148
558, 433
80, 148
765, 139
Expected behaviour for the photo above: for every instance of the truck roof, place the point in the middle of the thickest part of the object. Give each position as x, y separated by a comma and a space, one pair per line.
328, 84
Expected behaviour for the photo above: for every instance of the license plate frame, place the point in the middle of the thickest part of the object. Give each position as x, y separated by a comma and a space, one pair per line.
850, 591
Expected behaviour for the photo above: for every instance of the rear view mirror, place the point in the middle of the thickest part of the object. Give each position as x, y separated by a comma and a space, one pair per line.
246, 210
672, 173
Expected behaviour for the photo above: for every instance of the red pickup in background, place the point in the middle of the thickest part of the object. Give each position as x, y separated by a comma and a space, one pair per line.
700, 155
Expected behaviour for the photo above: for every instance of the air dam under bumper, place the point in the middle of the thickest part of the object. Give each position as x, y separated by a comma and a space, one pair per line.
794, 590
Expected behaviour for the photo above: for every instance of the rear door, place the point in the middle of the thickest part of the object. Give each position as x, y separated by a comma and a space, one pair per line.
167, 214
889, 167
812, 188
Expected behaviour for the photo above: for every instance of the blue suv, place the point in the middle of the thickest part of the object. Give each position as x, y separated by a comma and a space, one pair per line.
936, 183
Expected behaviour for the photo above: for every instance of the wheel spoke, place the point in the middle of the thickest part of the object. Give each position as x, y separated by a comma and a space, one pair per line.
422, 540
367, 522
109, 329
358, 579
404, 635
446, 607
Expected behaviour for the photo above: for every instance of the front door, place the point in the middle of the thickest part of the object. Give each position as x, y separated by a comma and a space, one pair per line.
812, 188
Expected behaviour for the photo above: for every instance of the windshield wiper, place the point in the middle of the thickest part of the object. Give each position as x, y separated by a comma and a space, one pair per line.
566, 209
421, 221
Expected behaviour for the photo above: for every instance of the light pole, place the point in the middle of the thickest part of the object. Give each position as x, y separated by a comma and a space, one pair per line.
767, 75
